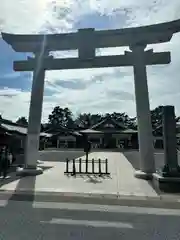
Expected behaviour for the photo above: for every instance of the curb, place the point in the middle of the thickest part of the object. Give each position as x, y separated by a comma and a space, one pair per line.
90, 198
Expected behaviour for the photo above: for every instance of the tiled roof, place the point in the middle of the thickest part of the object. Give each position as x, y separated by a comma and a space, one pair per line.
60, 128
44, 134
113, 121
129, 131
20, 129
76, 133
11, 128
72, 133
90, 131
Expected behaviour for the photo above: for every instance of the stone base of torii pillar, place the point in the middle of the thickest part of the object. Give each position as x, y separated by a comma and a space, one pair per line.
143, 175
29, 171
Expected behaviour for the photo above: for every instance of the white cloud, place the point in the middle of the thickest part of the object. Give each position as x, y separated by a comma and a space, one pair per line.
99, 84
21, 16
14, 103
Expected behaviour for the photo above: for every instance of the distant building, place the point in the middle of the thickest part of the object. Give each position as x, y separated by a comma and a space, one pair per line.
14, 135
108, 133
64, 138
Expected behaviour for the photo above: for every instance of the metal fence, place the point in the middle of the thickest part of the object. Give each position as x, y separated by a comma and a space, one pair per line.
81, 166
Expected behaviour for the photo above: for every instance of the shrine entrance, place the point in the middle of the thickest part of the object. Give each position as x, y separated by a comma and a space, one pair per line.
86, 41
108, 141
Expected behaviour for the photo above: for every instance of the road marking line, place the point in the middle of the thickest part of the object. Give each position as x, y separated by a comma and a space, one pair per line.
103, 224
3, 203
106, 208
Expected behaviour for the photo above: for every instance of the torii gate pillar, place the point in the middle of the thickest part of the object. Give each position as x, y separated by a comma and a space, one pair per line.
146, 149
34, 126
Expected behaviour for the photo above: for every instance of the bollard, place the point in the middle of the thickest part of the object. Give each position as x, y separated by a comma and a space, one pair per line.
93, 165
80, 164
106, 166
86, 165
99, 160
67, 165
74, 168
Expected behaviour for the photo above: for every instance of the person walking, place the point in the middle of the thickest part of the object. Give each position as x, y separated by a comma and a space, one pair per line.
4, 161
87, 149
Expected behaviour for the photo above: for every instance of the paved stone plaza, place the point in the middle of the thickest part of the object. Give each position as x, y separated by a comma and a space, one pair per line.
121, 182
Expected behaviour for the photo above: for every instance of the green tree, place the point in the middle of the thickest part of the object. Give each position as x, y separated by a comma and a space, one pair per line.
61, 116
86, 120
95, 118
22, 121
124, 118
156, 117
83, 120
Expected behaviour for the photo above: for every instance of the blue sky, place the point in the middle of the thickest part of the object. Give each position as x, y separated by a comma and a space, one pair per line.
91, 90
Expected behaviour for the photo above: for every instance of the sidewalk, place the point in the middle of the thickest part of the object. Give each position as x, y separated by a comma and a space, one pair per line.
120, 188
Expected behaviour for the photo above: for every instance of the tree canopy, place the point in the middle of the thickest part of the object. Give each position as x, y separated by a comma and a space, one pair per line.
156, 117
86, 120
64, 117
61, 116
22, 121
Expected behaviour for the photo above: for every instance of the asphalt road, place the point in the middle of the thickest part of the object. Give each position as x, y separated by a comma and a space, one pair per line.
66, 221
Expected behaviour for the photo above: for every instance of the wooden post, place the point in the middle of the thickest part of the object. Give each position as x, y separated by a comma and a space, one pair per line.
106, 166
80, 163
74, 168
93, 165
67, 165
99, 161
86, 162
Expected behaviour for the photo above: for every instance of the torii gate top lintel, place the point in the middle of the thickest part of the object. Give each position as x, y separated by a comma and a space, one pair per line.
156, 33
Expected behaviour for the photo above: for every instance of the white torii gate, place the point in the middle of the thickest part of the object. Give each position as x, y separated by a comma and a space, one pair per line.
86, 41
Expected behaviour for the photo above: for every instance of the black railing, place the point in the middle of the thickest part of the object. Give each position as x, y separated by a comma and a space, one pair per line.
82, 166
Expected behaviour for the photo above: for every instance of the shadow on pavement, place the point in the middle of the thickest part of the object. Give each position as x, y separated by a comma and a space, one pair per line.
133, 158
10, 178
90, 178
25, 188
